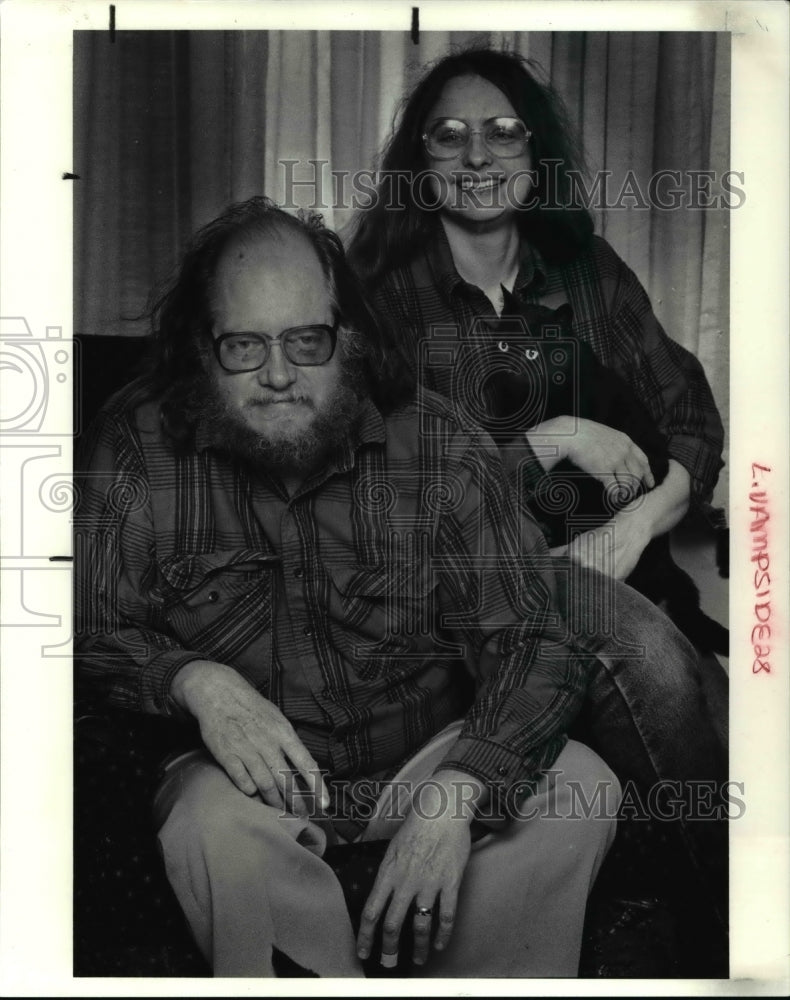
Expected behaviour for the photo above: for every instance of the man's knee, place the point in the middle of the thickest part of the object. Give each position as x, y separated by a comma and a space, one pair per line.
198, 807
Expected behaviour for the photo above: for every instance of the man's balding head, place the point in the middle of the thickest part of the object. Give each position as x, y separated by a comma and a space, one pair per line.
184, 318
279, 392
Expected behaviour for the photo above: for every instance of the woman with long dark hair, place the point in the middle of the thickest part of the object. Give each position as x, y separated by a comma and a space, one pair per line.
489, 221
495, 206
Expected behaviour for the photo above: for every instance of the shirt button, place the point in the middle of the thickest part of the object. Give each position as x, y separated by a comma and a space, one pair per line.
501, 770
307, 630
298, 572
213, 596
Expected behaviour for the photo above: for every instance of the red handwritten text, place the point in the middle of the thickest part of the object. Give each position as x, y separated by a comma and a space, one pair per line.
758, 527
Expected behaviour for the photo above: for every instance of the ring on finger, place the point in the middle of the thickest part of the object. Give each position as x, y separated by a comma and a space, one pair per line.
423, 911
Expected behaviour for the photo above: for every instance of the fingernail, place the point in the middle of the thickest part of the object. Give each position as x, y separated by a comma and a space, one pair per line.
389, 961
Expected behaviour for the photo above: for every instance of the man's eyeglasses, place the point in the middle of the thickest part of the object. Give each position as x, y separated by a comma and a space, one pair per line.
447, 138
306, 346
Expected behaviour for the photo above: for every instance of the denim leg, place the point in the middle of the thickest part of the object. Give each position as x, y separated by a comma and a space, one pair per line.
647, 716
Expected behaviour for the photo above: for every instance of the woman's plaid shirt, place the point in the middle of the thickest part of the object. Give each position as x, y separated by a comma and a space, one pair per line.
611, 312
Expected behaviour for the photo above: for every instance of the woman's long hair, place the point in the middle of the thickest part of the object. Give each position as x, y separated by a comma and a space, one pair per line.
181, 317
385, 237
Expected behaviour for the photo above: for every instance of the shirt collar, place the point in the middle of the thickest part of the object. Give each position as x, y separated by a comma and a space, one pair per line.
368, 429
531, 269
441, 265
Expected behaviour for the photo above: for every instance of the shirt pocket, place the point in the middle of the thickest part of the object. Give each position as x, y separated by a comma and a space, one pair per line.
219, 603
383, 618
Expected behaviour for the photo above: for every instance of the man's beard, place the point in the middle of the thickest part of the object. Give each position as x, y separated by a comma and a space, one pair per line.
301, 453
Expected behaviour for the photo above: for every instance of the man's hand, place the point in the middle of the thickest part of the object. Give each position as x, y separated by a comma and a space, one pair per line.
248, 736
422, 868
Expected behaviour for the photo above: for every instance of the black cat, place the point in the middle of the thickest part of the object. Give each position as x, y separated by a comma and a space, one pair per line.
535, 369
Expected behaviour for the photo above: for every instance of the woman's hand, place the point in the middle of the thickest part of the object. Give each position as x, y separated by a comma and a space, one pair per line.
616, 546
603, 452
596, 449
249, 736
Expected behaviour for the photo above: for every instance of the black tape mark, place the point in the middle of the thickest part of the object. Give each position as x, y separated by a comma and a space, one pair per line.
415, 25
70, 177
112, 23
61, 558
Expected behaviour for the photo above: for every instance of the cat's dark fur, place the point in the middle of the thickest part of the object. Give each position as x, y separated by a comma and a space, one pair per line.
537, 369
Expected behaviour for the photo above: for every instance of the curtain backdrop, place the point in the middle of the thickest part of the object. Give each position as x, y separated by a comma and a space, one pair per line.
169, 127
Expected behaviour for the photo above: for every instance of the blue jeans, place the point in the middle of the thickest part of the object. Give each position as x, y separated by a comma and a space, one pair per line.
650, 715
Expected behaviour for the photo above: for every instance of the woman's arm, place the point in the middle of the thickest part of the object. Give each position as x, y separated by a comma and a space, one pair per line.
595, 448
615, 548
663, 507
668, 379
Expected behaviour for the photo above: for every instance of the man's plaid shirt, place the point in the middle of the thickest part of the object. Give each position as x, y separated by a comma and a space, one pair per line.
359, 606
611, 312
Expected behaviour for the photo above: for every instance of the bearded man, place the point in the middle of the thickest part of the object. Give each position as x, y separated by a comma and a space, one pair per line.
290, 544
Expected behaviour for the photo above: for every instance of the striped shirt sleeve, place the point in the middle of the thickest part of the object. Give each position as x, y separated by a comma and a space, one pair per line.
124, 648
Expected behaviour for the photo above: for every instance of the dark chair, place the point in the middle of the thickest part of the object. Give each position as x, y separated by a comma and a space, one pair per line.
105, 365
126, 919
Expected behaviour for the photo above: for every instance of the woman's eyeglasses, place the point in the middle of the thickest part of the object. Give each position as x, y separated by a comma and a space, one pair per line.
447, 138
305, 346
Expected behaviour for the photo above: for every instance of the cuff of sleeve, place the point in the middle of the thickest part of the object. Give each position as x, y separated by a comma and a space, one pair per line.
485, 759
159, 674
496, 765
510, 776
702, 464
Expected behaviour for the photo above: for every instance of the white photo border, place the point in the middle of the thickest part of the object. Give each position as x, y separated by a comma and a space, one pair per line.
36, 283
